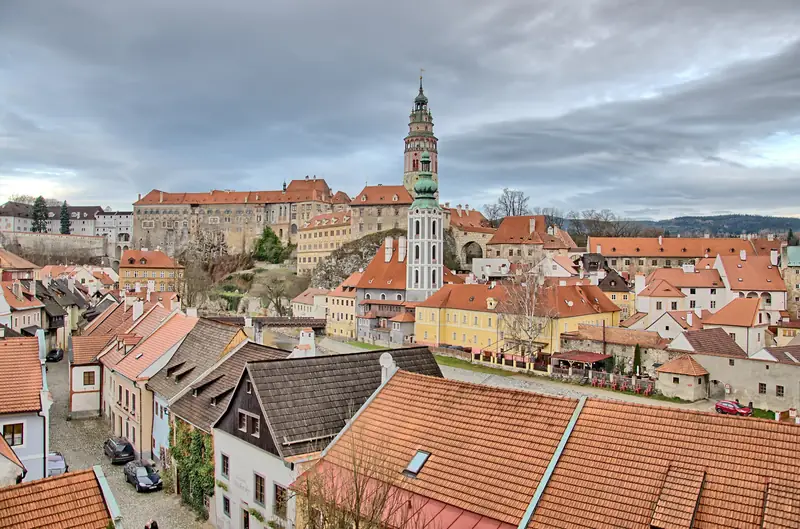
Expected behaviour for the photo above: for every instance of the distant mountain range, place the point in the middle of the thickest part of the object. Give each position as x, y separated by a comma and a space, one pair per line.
721, 225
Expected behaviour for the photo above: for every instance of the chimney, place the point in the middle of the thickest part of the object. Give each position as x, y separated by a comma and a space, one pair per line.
388, 367
71, 284
773, 257
147, 295
688, 268
707, 236
742, 255
532, 225
562, 282
698, 312
46, 281
660, 240
138, 309
689, 318
2, 331
599, 250
580, 273
33, 287
137, 287
639, 283
307, 346
770, 237
42, 345
192, 313
389, 248
161, 196
402, 247
140, 196
16, 289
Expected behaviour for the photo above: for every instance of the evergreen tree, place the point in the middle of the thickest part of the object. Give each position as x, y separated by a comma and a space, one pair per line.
64, 219
269, 248
637, 360
791, 238
39, 223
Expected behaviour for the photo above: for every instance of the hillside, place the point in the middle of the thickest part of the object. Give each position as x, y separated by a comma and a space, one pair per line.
720, 225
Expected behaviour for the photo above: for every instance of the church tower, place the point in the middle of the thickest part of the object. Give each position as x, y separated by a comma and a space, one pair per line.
425, 269
420, 138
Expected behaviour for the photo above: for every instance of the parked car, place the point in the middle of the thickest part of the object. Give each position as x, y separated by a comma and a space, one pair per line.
56, 464
119, 450
143, 476
55, 355
730, 407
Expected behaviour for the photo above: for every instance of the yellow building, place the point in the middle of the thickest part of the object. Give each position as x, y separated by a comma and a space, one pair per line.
341, 317
320, 236
153, 269
479, 317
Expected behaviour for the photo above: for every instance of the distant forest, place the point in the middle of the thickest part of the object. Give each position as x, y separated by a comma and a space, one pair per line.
725, 225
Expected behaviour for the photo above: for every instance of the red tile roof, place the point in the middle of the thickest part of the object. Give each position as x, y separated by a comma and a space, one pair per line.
70, 500
517, 230
739, 312
328, 220
574, 300
566, 263
404, 317
174, 330
380, 274
24, 302
382, 196
306, 297
700, 278
680, 247
8, 453
683, 365
20, 376
581, 356
714, 341
296, 191
86, 348
148, 259
618, 335
633, 319
660, 288
347, 289
754, 273
10, 261
470, 220
681, 317
341, 198
489, 448
465, 297
104, 278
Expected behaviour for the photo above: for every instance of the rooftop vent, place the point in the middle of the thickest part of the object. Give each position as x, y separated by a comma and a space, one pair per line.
417, 462
139, 356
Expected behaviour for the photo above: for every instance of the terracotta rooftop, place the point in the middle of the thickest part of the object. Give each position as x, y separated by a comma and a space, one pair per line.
633, 319
10, 261
100, 319
20, 376
739, 312
86, 348
9, 454
573, 300
489, 447
683, 365
328, 220
135, 364
341, 198
25, 300
347, 289
104, 278
566, 263
660, 288
383, 275
517, 230
700, 278
382, 196
404, 317
680, 247
713, 342
470, 220
296, 191
754, 273
148, 259
465, 297
682, 318
307, 296
618, 335
70, 500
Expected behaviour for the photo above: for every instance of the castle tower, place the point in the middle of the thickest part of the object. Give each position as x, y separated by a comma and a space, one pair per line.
420, 138
425, 269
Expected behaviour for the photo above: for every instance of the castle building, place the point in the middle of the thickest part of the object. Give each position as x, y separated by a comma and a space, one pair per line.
420, 139
425, 238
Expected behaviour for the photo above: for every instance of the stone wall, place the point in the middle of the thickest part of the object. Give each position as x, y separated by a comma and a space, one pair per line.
50, 248
650, 355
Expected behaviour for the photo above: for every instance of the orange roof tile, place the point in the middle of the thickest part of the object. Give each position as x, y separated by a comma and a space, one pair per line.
618, 335
517, 230
566, 263
660, 288
574, 300
134, 363
296, 191
347, 289
686, 247
8, 453
470, 220
152, 317
404, 317
148, 259
328, 220
754, 273
739, 312
20, 376
633, 319
380, 274
104, 278
489, 448
450, 278
10, 261
56, 271
465, 297
24, 302
382, 196
100, 318
306, 297
86, 348
700, 278
70, 500
341, 198
681, 317
683, 365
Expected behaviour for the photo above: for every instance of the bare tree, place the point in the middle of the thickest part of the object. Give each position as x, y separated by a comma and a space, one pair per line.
279, 287
30, 199
552, 216
527, 310
510, 203
606, 223
194, 285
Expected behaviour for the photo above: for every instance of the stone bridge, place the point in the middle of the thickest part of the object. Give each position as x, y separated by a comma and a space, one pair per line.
271, 321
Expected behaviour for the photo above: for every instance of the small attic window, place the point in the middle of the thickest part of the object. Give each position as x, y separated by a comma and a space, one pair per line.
472, 298
142, 260
417, 462
363, 198
131, 260
614, 249
139, 356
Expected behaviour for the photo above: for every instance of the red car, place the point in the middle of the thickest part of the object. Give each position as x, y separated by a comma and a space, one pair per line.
730, 407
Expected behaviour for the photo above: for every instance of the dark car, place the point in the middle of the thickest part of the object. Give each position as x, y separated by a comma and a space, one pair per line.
55, 355
143, 476
119, 450
730, 407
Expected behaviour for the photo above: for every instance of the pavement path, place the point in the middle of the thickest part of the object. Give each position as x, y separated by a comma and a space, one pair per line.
81, 442
552, 387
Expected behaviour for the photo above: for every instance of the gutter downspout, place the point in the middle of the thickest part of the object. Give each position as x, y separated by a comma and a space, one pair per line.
551, 466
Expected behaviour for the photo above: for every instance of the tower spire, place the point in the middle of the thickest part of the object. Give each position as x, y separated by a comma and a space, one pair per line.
420, 138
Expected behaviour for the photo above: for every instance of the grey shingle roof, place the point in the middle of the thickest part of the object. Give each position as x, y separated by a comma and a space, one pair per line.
202, 348
308, 400
715, 342
198, 410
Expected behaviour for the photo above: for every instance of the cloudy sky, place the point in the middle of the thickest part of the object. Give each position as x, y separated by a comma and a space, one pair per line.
651, 108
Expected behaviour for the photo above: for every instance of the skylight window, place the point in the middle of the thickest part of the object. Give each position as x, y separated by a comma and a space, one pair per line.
417, 462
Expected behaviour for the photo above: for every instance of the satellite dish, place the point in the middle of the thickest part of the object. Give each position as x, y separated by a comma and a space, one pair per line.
386, 360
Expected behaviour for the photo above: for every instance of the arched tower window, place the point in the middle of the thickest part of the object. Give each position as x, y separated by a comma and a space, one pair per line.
433, 252
383, 296
415, 165
416, 251
433, 228
416, 278
433, 278
416, 228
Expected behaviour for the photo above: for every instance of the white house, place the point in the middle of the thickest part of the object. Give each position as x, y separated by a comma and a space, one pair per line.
311, 303
703, 288
85, 374
744, 321
748, 276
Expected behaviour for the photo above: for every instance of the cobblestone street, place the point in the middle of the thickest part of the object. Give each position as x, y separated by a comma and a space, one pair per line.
81, 442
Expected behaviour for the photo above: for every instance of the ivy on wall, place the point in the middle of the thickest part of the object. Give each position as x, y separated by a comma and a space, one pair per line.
193, 452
